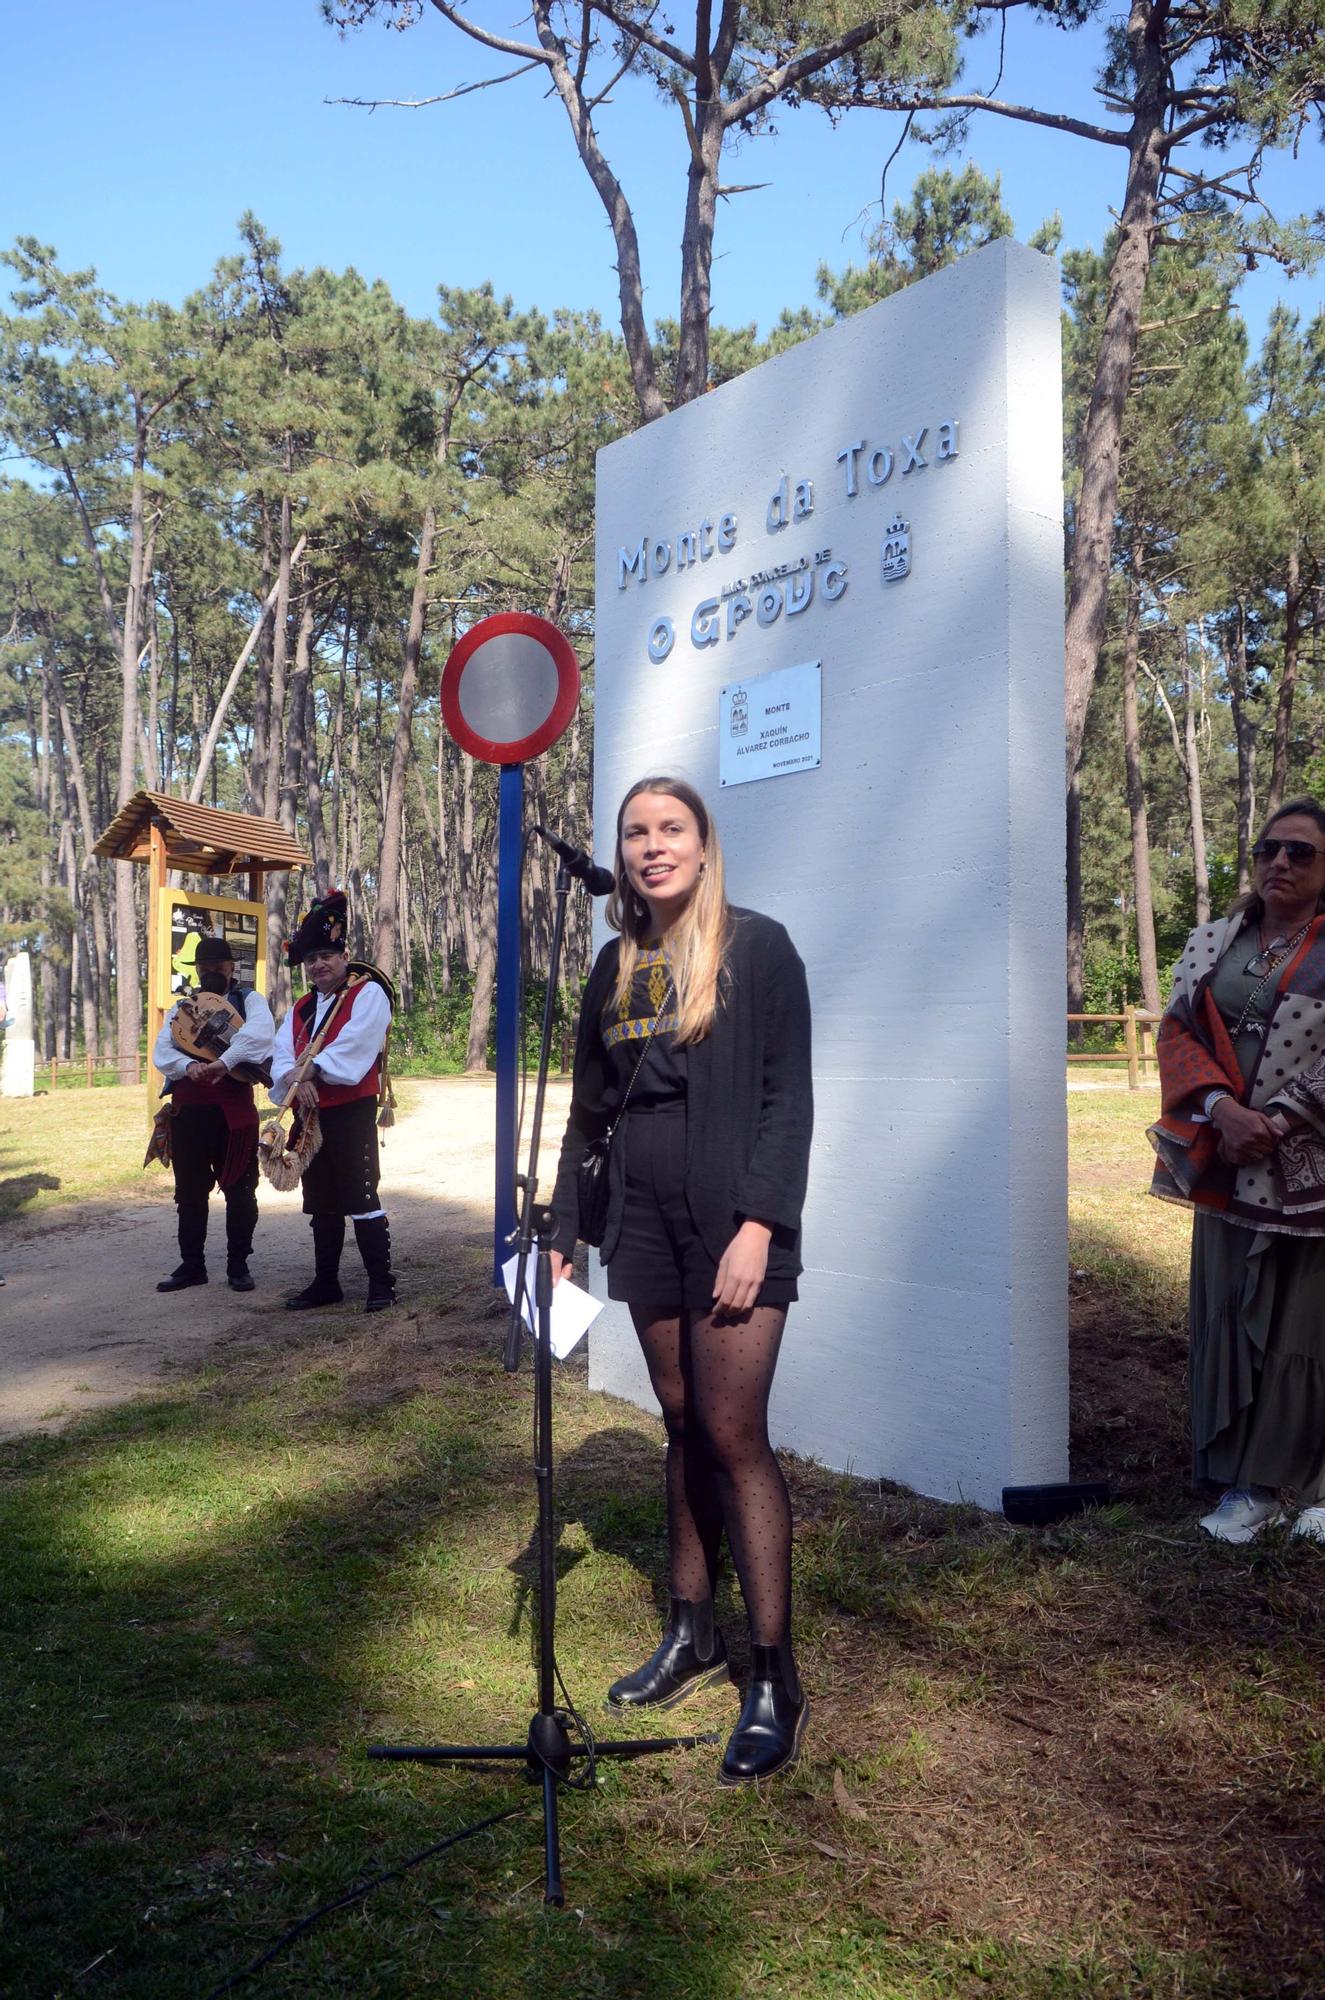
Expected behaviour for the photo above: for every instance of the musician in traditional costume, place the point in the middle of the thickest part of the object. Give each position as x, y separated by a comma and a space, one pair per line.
213, 1046
330, 1061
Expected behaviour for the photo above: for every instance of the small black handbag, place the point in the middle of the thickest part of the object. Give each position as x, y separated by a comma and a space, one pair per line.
593, 1180
592, 1183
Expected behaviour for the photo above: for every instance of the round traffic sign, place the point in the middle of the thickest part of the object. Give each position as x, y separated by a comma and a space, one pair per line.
509, 687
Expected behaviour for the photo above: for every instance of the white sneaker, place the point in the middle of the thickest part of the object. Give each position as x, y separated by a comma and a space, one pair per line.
1310, 1524
1240, 1515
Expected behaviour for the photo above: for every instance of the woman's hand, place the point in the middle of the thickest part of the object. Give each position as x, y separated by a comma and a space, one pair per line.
1244, 1135
560, 1265
741, 1272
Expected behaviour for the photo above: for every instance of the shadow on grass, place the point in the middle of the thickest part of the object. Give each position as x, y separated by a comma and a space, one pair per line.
1026, 1748
19, 1189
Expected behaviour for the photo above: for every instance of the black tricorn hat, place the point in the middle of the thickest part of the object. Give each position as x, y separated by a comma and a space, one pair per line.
322, 929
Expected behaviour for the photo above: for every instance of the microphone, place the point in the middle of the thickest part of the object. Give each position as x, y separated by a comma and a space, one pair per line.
598, 881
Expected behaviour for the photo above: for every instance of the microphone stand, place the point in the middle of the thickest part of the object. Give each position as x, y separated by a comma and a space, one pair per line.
547, 1753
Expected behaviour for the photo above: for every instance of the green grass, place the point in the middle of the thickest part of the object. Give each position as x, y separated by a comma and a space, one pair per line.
71, 1146
1080, 1764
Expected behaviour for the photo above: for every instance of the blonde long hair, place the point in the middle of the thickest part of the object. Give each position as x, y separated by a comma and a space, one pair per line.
696, 942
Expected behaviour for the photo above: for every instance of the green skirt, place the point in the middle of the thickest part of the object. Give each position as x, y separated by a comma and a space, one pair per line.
1257, 1374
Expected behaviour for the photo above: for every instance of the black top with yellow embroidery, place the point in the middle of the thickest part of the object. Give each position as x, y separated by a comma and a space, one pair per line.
662, 1074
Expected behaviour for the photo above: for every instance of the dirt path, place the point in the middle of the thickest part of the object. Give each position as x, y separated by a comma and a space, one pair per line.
84, 1326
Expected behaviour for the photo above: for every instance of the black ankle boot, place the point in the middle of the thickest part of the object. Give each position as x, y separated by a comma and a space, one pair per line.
374, 1240
328, 1242
768, 1736
690, 1655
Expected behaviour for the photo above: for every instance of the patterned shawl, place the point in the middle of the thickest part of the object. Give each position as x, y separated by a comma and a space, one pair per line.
1285, 1193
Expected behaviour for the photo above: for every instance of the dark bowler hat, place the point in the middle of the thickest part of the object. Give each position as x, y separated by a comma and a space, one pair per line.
214, 951
322, 929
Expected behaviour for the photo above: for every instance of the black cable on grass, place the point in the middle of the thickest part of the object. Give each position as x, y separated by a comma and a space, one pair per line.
363, 1889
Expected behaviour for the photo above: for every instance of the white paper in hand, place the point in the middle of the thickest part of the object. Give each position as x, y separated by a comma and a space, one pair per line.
573, 1309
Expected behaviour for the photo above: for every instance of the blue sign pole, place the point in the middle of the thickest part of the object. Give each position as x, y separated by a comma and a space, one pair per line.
510, 840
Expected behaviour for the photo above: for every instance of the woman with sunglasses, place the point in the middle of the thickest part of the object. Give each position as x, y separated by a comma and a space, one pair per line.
696, 1020
1242, 1139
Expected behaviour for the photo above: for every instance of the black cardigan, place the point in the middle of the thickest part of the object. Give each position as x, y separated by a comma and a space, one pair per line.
749, 1100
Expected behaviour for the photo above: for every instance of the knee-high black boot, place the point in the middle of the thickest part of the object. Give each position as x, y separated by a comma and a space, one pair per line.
241, 1219
768, 1736
328, 1242
690, 1655
192, 1266
374, 1240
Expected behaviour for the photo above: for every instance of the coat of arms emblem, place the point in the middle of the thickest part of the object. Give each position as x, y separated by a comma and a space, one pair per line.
895, 555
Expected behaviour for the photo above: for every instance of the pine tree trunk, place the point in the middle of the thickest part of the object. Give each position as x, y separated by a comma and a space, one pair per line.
485, 970
1245, 731
356, 814
1136, 800
692, 360
1195, 808
317, 826
270, 776
336, 748
1283, 715
1076, 914
468, 915
287, 799
257, 769
385, 942
1088, 594
128, 996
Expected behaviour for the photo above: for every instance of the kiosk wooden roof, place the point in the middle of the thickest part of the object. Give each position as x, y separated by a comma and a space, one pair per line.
200, 840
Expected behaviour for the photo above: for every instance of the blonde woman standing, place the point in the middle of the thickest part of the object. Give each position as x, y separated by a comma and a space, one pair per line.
697, 1018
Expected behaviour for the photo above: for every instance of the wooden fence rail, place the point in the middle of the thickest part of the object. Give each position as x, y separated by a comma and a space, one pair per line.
1137, 1024
86, 1070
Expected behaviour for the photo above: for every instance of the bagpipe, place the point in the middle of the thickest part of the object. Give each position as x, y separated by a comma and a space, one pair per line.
283, 1155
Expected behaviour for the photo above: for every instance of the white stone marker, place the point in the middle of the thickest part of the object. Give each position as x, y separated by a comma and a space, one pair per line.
885, 500
18, 1063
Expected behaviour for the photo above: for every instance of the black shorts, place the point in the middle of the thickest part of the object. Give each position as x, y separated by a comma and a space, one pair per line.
660, 1259
342, 1176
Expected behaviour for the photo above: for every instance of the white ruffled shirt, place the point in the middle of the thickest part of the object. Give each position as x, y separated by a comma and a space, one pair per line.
356, 1047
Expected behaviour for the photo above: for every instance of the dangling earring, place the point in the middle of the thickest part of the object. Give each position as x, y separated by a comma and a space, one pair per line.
702, 866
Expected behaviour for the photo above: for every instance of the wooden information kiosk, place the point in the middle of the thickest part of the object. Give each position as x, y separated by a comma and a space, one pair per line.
173, 835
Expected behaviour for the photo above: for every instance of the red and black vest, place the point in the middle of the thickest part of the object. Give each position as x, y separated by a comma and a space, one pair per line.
336, 1093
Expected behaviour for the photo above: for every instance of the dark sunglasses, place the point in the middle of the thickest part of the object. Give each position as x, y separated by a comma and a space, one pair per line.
1299, 852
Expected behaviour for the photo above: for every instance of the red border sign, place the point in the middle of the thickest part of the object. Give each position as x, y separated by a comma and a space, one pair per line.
562, 654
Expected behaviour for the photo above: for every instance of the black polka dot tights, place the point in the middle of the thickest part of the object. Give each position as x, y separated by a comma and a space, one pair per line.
713, 1381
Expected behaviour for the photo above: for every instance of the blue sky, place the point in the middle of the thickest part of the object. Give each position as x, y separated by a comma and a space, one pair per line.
137, 131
